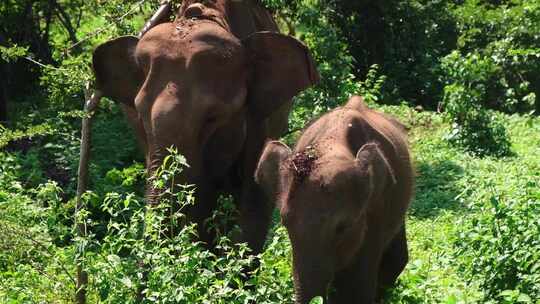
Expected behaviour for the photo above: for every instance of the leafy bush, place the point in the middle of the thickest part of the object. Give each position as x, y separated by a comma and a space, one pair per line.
371, 87
331, 54
139, 250
500, 248
409, 38
406, 38
474, 127
310, 22
497, 244
507, 34
31, 224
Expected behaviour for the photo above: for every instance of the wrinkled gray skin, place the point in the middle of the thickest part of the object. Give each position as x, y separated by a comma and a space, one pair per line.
343, 193
216, 88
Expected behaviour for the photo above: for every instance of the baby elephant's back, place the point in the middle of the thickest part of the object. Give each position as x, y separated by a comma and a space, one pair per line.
391, 136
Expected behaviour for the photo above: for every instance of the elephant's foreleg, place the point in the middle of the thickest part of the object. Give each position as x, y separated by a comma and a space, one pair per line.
136, 123
357, 284
394, 260
205, 204
255, 215
278, 123
254, 207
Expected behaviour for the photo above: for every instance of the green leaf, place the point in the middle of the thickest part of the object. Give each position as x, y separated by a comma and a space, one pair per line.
451, 300
127, 281
523, 298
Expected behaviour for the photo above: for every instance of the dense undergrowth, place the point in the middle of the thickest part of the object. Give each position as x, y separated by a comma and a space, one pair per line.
473, 230
473, 227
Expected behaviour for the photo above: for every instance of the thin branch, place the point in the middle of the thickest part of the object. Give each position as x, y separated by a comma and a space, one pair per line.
18, 290
43, 273
292, 131
41, 64
79, 16
48, 19
288, 22
99, 31
36, 242
65, 20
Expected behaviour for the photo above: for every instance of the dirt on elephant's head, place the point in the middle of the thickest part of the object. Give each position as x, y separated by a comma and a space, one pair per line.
303, 163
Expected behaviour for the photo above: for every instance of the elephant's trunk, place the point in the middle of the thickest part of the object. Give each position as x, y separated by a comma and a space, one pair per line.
311, 278
154, 161
188, 175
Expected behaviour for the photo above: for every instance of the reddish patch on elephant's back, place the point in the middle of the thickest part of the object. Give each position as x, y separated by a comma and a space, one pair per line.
303, 163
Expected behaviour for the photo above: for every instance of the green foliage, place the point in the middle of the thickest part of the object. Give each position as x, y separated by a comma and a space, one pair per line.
502, 249
406, 38
65, 84
130, 179
417, 34
337, 79
32, 268
475, 128
409, 38
498, 247
180, 269
371, 88
317, 300
451, 186
507, 34
8, 135
12, 53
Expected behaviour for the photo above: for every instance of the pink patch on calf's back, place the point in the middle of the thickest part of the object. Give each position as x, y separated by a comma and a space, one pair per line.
303, 163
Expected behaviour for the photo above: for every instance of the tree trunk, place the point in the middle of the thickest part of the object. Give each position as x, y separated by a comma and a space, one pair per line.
536, 90
3, 85
82, 185
3, 97
66, 23
367, 35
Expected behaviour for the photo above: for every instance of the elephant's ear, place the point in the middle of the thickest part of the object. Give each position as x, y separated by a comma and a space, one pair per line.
268, 173
117, 74
283, 67
371, 161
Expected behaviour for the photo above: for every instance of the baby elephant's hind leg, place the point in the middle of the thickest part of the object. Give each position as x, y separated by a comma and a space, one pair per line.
393, 261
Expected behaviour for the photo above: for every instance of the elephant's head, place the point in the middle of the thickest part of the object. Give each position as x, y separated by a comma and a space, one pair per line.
324, 201
189, 78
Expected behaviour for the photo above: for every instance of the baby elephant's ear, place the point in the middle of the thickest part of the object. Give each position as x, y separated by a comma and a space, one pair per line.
117, 74
282, 67
372, 162
268, 170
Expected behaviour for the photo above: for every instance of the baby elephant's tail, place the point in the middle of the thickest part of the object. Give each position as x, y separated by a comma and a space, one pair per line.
356, 102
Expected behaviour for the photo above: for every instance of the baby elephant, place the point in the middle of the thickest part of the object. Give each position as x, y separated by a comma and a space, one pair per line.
343, 193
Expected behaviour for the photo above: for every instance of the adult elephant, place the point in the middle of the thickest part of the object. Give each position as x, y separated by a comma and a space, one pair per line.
216, 83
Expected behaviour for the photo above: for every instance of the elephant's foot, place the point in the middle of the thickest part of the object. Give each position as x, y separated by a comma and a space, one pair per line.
255, 217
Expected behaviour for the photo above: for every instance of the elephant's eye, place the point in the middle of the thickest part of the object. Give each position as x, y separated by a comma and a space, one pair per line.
212, 119
341, 227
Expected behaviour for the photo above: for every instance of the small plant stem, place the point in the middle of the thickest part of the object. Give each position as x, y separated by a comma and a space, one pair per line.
82, 184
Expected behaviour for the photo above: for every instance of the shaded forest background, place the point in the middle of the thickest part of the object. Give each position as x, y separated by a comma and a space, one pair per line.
410, 41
